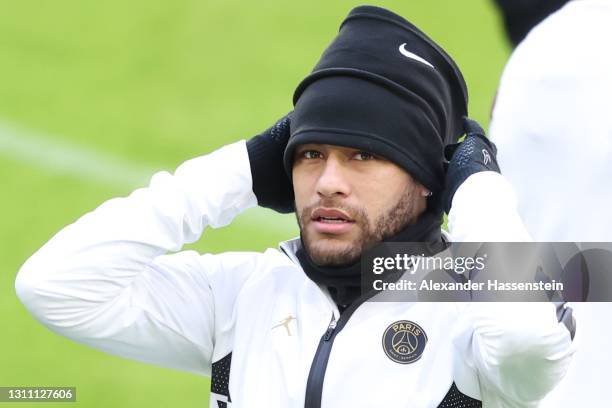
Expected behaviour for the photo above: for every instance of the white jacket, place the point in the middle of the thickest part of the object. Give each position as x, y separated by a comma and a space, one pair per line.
113, 280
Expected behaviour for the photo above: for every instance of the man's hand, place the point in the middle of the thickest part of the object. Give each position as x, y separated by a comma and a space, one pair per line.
475, 154
271, 185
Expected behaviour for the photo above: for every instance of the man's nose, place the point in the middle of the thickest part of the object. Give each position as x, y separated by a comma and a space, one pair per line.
333, 179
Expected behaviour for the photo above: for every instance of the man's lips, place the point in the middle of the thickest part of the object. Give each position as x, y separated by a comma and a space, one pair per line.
330, 214
331, 221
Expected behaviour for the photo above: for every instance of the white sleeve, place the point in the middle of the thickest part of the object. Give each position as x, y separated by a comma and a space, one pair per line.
484, 209
520, 350
107, 280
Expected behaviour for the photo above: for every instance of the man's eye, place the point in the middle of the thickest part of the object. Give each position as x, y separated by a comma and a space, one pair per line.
311, 154
364, 156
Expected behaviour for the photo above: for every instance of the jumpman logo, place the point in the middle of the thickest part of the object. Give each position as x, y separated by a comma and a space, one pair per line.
285, 323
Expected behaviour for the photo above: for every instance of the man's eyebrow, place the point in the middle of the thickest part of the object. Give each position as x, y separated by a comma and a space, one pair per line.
307, 147
299, 150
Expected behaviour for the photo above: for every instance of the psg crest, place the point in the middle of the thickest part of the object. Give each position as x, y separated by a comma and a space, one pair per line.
404, 341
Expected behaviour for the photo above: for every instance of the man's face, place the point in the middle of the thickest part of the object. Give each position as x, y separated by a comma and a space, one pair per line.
347, 200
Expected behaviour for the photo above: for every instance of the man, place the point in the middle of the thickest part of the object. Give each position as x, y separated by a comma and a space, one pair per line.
520, 16
361, 160
552, 125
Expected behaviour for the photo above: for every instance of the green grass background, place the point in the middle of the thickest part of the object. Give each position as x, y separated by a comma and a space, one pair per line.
155, 83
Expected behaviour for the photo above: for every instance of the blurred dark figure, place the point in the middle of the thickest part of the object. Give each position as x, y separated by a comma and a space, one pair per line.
520, 16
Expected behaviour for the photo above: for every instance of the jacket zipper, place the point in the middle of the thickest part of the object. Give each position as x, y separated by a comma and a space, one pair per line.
316, 376
330, 329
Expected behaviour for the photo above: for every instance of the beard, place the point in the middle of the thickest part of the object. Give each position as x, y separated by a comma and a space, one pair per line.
370, 232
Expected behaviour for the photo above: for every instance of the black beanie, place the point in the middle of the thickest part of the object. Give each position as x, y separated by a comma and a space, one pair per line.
382, 86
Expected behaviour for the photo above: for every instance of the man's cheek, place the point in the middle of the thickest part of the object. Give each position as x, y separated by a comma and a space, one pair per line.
302, 215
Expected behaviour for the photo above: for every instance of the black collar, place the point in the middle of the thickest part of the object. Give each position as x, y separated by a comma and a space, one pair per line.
344, 282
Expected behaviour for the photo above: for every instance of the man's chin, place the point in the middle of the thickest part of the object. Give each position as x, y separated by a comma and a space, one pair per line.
333, 252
